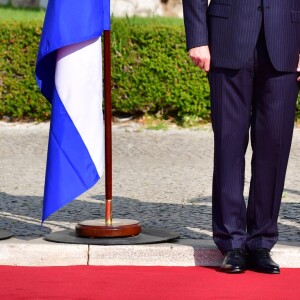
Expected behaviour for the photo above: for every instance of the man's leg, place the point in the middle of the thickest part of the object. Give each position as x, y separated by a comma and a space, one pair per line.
271, 135
273, 111
231, 97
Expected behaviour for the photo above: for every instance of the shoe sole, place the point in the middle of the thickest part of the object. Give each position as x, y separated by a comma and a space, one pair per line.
233, 271
264, 271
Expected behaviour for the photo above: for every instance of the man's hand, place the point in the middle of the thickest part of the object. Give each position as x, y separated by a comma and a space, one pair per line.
298, 69
201, 57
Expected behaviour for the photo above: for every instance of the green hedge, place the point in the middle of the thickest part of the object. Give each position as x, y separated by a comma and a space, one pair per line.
150, 72
19, 95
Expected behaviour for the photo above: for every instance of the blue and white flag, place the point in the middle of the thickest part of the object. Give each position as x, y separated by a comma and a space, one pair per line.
69, 74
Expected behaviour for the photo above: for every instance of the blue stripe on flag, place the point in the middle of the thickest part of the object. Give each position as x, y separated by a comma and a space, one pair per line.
70, 169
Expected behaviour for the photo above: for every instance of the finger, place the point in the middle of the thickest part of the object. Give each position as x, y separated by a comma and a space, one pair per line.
195, 60
200, 64
206, 66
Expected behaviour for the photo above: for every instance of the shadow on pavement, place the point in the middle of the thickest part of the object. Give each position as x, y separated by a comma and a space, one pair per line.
22, 216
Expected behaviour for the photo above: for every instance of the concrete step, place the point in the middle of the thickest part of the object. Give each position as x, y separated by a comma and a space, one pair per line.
20, 251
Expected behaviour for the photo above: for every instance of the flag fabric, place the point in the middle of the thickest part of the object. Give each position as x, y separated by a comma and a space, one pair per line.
69, 75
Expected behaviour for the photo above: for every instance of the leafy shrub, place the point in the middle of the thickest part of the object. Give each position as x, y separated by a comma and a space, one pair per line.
151, 73
19, 95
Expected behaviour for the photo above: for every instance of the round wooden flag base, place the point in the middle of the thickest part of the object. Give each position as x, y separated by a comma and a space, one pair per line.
100, 228
4, 234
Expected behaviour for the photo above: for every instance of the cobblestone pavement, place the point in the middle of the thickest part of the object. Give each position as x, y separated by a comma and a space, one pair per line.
161, 178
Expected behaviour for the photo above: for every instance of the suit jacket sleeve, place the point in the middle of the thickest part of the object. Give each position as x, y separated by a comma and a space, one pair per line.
194, 12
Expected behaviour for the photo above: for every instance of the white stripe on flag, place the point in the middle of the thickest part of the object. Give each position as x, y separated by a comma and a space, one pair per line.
78, 80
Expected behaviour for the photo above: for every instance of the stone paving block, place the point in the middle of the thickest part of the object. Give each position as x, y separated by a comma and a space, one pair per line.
184, 252
181, 253
38, 252
287, 255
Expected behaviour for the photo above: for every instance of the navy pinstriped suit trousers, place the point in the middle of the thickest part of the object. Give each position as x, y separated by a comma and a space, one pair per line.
259, 98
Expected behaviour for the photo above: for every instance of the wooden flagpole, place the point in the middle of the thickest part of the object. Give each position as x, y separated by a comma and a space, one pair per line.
108, 128
108, 227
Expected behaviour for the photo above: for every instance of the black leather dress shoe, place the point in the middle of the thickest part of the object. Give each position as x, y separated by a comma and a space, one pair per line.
260, 260
234, 261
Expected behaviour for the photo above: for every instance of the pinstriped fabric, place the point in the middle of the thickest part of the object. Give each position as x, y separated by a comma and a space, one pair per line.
254, 47
282, 33
271, 135
264, 99
232, 39
195, 22
233, 26
231, 110
259, 97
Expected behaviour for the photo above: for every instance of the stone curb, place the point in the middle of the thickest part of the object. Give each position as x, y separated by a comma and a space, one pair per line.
20, 251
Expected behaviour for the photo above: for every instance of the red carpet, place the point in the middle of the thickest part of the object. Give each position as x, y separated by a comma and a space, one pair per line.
90, 282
